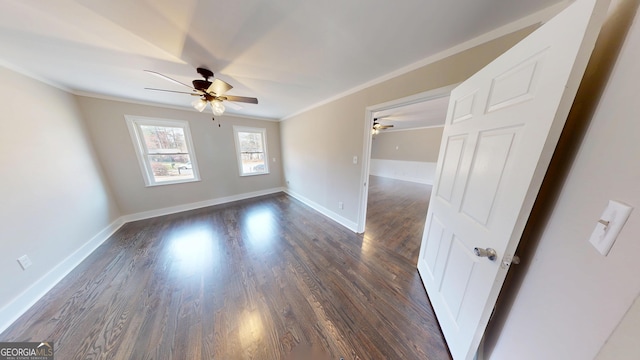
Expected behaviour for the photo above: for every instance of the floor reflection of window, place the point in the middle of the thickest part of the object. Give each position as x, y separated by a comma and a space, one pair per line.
251, 329
261, 229
194, 250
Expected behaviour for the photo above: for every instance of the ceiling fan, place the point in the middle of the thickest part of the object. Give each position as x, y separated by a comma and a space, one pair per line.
208, 92
377, 126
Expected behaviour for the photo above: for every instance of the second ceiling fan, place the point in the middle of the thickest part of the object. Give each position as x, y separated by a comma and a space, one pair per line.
377, 126
209, 92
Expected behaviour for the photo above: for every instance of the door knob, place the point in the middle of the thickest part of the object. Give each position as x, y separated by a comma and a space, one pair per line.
488, 253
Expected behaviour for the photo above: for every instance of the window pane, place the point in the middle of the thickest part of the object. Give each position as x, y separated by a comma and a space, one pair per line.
253, 165
171, 167
164, 149
250, 142
252, 152
164, 139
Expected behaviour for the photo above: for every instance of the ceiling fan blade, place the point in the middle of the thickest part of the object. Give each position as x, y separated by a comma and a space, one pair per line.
243, 99
168, 78
179, 92
219, 87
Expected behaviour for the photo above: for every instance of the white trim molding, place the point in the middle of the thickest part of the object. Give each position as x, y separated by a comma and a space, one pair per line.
366, 134
265, 156
143, 153
414, 171
536, 18
324, 211
197, 205
21, 303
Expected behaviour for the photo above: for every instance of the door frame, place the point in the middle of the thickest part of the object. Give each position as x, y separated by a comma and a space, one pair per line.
367, 136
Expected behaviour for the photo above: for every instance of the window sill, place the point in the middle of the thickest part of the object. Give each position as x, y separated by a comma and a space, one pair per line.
172, 182
255, 174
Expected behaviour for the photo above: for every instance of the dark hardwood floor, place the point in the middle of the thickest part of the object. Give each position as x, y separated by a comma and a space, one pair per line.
396, 213
266, 278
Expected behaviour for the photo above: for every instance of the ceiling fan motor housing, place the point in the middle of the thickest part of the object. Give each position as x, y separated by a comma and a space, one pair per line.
201, 84
206, 73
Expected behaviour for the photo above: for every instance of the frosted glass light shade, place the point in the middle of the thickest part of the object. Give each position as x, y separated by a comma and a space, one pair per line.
217, 107
199, 104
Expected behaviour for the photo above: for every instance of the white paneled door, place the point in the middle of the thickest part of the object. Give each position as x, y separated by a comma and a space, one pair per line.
502, 127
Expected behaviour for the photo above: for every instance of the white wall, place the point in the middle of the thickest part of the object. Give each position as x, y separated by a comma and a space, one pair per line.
54, 197
623, 342
214, 148
71, 178
569, 298
318, 145
408, 155
409, 145
414, 171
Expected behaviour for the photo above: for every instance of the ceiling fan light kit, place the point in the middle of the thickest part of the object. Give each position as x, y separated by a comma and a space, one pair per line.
217, 107
377, 127
199, 104
209, 92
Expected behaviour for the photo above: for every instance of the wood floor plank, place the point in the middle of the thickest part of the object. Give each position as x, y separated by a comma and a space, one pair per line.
264, 278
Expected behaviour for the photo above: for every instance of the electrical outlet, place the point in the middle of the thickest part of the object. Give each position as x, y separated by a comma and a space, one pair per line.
340, 205
24, 262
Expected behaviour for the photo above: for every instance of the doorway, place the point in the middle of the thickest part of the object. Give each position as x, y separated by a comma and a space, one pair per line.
424, 110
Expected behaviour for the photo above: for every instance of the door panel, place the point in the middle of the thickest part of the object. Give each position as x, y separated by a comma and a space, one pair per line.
463, 108
451, 167
460, 263
501, 130
436, 233
491, 154
517, 84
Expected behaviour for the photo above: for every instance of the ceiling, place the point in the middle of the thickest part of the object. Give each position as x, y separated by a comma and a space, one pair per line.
290, 54
423, 114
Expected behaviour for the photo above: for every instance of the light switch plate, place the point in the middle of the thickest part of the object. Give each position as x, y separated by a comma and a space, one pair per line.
24, 262
608, 227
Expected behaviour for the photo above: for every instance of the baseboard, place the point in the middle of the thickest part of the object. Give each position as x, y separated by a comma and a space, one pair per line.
19, 305
405, 178
324, 211
197, 205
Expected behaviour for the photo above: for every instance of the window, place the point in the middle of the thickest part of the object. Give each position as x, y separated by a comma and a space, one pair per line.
251, 147
164, 150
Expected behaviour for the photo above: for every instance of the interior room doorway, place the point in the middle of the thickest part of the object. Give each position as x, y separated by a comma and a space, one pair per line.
418, 111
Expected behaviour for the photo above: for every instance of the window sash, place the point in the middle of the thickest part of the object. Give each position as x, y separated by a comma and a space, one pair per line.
170, 139
248, 164
165, 164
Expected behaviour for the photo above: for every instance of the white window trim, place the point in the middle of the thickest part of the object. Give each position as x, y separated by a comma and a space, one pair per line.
263, 131
134, 122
